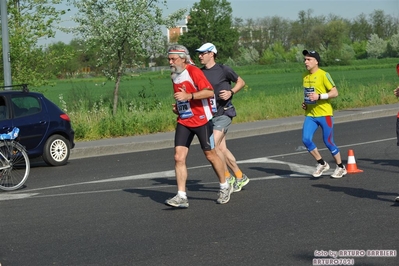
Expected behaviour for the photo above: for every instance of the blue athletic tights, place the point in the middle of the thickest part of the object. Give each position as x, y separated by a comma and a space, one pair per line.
310, 126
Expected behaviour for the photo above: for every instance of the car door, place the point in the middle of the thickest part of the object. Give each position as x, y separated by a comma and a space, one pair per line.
30, 116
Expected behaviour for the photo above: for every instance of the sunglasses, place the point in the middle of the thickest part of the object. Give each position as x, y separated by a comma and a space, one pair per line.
202, 53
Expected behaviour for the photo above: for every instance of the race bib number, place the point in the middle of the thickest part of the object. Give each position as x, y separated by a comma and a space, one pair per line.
306, 92
184, 109
213, 104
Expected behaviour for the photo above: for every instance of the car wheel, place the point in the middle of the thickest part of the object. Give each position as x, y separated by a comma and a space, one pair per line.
56, 150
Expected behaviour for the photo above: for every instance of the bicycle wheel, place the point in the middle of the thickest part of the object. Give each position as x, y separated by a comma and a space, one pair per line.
14, 165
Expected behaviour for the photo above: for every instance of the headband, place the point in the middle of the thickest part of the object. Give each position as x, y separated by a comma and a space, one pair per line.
177, 52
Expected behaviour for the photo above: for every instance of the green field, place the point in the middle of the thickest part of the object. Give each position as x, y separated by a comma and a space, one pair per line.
270, 92
262, 79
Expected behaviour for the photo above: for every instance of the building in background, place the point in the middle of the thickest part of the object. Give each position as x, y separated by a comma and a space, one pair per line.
174, 33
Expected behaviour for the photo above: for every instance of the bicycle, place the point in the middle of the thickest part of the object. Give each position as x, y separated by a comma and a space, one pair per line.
14, 162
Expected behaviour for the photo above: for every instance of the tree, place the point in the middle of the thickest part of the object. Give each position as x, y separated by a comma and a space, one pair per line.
360, 49
394, 44
332, 39
276, 53
246, 31
124, 31
277, 30
30, 21
85, 57
383, 25
301, 28
360, 29
211, 21
67, 65
376, 46
346, 55
248, 56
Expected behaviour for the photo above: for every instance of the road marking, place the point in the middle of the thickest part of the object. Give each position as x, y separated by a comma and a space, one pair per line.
12, 196
298, 170
340, 146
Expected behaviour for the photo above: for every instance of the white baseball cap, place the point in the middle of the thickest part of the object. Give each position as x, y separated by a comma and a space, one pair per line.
207, 47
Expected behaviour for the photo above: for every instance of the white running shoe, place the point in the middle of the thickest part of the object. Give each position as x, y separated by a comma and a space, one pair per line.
224, 195
320, 168
339, 172
177, 202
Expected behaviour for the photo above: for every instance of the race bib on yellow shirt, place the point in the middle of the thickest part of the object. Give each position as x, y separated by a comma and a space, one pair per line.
306, 92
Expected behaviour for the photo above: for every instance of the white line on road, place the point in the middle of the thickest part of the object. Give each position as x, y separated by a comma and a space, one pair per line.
298, 170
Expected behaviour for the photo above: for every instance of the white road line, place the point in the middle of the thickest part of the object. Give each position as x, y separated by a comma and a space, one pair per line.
9, 196
38, 195
298, 170
339, 146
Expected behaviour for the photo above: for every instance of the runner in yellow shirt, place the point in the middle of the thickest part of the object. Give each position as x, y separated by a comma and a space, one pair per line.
319, 88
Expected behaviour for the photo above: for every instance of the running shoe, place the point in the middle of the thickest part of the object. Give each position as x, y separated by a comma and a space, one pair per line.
177, 202
339, 172
224, 195
320, 168
231, 179
240, 183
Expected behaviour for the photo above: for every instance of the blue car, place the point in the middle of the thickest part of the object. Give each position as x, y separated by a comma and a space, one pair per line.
45, 130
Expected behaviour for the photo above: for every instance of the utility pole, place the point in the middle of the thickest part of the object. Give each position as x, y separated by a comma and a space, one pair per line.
6, 44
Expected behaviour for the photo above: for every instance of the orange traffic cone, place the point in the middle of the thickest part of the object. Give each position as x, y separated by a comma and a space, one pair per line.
351, 168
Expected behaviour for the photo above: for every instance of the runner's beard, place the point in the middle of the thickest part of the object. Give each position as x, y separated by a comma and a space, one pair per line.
176, 69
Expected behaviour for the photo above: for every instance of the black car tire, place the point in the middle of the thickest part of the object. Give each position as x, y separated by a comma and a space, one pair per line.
56, 150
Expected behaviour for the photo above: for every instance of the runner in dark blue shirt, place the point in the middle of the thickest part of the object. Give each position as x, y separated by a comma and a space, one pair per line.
221, 77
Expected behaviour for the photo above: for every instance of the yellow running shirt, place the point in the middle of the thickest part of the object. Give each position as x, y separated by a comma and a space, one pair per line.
319, 82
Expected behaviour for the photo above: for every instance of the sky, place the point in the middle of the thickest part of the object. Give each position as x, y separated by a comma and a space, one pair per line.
287, 9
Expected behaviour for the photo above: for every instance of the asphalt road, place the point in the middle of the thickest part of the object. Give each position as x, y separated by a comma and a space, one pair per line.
108, 210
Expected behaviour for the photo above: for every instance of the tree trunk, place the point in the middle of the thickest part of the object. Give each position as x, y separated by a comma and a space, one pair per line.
116, 89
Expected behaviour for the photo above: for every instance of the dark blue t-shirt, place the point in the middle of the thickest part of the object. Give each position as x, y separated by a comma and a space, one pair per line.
220, 76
